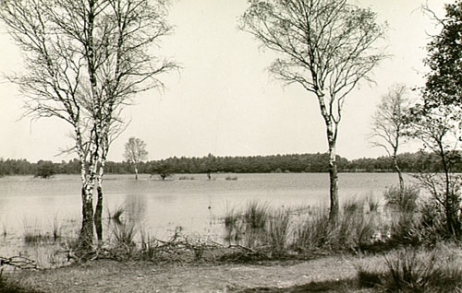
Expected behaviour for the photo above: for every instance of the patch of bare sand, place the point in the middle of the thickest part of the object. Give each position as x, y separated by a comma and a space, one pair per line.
112, 276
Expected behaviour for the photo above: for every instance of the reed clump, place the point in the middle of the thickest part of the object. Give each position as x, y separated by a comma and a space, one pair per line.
412, 269
286, 231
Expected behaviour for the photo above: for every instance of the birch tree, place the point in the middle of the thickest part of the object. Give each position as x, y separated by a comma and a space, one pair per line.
84, 62
135, 152
389, 125
327, 47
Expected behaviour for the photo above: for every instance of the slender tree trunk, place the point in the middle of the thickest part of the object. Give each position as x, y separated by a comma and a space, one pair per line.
86, 236
99, 203
136, 172
450, 218
333, 179
400, 177
99, 215
332, 130
87, 230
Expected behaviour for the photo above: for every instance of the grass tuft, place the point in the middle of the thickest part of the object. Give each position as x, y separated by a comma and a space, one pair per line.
9, 285
415, 270
278, 230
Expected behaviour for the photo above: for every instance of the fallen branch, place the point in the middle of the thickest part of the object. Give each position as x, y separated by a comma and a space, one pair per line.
18, 262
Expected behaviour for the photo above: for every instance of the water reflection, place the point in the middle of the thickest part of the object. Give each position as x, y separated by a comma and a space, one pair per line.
156, 208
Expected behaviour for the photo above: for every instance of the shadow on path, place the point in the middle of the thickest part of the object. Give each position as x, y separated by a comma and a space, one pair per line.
331, 286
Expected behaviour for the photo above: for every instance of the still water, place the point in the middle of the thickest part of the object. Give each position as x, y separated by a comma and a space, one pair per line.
31, 205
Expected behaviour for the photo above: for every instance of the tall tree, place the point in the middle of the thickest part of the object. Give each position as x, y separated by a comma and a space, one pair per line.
326, 46
440, 115
84, 61
135, 152
389, 125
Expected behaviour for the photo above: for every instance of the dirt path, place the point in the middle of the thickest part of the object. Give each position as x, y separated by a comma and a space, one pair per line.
111, 276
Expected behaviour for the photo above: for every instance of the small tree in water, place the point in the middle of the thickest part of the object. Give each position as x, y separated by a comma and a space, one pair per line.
135, 152
389, 125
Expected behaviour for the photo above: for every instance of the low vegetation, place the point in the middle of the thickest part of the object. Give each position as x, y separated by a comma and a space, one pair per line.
10, 285
413, 269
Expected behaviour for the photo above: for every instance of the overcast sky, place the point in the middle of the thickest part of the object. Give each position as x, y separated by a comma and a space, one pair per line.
223, 101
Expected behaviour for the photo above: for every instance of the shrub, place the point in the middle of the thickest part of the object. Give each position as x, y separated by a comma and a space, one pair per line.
414, 270
430, 223
411, 270
405, 201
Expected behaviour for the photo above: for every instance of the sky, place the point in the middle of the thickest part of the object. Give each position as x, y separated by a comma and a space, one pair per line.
223, 100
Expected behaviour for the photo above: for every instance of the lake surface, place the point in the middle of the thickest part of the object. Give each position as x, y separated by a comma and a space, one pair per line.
32, 205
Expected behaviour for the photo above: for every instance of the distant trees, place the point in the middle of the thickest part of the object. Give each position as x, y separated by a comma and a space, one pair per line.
389, 124
135, 152
84, 61
45, 169
327, 47
295, 163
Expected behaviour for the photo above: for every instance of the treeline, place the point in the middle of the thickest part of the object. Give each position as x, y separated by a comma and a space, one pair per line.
409, 162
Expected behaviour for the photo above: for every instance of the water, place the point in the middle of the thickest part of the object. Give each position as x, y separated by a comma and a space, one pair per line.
31, 205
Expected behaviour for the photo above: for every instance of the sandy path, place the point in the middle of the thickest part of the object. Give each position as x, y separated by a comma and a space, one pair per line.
111, 276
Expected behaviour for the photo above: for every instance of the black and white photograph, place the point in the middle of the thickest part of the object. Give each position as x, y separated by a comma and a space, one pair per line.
233, 146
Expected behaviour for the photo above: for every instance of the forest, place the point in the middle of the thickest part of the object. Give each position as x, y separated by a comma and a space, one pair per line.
297, 163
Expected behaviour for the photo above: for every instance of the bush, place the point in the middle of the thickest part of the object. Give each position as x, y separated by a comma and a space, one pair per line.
411, 270
405, 201
414, 270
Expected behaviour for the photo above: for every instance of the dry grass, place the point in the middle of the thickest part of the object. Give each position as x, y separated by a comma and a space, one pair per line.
111, 276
